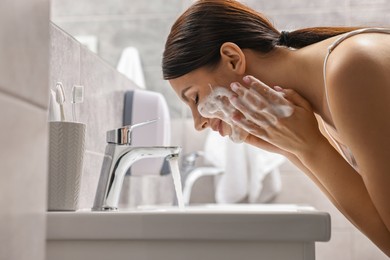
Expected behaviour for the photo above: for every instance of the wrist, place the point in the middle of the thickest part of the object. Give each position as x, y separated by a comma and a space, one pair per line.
315, 151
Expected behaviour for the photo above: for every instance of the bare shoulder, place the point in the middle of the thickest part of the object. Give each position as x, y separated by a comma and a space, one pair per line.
358, 87
359, 65
358, 57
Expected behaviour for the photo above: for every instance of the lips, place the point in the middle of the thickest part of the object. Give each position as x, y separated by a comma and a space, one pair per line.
220, 128
217, 126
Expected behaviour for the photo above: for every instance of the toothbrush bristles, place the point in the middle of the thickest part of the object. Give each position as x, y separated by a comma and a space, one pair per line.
60, 93
60, 98
77, 97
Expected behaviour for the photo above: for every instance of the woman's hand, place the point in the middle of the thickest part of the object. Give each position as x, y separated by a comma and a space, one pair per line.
281, 118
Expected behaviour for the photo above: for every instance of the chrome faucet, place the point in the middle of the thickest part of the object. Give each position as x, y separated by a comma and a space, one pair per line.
191, 173
118, 158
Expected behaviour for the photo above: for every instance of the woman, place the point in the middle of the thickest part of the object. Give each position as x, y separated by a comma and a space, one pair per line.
322, 101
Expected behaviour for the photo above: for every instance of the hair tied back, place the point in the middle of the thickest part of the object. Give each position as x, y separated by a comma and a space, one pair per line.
284, 38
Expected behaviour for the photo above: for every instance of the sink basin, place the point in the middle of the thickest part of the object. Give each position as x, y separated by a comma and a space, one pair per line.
239, 231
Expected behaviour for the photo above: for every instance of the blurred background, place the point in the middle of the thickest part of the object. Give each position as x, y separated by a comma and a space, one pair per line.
108, 28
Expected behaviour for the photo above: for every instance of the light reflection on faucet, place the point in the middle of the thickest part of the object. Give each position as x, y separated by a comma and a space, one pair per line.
117, 160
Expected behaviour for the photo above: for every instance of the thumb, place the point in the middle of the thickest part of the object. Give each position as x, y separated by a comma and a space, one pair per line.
293, 96
262, 144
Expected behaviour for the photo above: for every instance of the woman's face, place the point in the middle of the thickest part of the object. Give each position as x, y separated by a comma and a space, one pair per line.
195, 87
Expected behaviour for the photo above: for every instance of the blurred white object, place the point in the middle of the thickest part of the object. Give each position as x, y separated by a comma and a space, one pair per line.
141, 106
77, 97
54, 108
130, 65
249, 171
60, 98
89, 41
149, 175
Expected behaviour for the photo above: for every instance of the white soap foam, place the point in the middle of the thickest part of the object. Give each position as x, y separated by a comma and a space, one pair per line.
217, 105
269, 109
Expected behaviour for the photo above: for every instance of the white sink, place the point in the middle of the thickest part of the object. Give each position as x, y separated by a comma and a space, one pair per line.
239, 231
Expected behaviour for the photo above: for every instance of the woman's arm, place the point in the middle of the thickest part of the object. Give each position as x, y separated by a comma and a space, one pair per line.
348, 191
359, 96
255, 141
298, 137
341, 184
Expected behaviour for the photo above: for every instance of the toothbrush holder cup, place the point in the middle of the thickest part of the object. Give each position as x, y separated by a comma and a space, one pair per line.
66, 155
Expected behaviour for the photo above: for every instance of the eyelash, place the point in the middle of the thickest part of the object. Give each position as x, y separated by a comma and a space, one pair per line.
196, 99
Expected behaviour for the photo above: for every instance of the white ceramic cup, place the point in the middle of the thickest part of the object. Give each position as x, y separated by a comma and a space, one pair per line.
66, 155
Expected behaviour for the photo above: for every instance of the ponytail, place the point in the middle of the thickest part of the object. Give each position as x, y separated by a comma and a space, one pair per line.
304, 37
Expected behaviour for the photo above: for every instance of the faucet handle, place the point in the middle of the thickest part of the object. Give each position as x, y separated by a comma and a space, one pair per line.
122, 135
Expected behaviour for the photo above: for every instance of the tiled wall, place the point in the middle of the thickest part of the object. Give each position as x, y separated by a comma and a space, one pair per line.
146, 24
121, 23
102, 109
24, 70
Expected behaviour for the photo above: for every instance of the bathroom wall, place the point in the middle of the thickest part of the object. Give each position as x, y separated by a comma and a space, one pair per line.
146, 24
122, 23
24, 72
102, 109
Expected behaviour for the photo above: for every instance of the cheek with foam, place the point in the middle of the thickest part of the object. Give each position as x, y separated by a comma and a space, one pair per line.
217, 105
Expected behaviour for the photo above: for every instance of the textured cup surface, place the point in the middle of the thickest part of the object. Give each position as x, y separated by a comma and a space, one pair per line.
66, 154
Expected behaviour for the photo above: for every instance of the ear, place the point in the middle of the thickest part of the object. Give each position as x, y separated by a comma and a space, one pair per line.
233, 57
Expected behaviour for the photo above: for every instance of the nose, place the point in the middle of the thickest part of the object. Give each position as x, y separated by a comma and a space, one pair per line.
200, 122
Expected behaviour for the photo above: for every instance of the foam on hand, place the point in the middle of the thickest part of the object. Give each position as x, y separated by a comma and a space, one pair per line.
253, 109
217, 105
272, 106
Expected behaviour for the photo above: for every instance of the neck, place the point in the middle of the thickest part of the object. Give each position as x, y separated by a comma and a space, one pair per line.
300, 70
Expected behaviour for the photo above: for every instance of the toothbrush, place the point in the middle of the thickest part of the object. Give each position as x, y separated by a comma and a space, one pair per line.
54, 108
77, 97
60, 98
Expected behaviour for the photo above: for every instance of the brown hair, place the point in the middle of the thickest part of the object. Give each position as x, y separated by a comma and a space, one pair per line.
197, 35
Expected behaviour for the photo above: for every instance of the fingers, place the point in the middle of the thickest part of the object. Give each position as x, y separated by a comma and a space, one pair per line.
250, 127
271, 95
248, 113
249, 96
257, 108
253, 106
257, 85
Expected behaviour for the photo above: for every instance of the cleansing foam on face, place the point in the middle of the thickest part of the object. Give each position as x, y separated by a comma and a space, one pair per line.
217, 105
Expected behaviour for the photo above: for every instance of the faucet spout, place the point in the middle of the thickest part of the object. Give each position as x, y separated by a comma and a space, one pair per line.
117, 160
